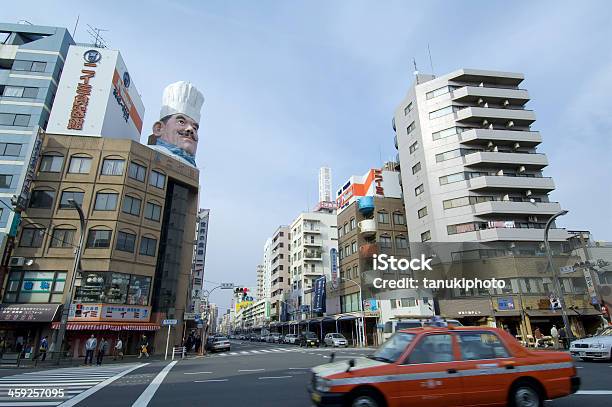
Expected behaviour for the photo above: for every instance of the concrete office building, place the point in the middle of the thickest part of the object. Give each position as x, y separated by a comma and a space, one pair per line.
259, 293
313, 236
279, 274
139, 207
31, 62
199, 260
476, 196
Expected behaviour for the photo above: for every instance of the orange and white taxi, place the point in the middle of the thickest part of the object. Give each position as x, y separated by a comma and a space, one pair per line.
446, 366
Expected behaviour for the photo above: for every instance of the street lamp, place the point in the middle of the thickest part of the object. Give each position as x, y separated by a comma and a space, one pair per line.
67, 302
555, 274
362, 330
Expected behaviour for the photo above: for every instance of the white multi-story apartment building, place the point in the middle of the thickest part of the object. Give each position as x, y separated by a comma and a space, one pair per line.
470, 166
313, 235
279, 273
267, 270
260, 282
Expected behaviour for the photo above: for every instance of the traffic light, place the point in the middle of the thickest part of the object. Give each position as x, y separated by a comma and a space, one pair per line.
241, 293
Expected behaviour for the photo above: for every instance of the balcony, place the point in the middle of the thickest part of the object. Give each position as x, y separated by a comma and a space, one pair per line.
367, 227
477, 115
492, 182
316, 243
313, 255
471, 94
501, 137
521, 234
506, 160
494, 79
312, 230
510, 207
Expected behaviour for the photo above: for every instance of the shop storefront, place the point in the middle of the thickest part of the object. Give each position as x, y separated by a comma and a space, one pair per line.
23, 325
472, 312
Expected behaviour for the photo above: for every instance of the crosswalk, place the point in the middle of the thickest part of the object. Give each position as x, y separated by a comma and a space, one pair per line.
59, 387
264, 351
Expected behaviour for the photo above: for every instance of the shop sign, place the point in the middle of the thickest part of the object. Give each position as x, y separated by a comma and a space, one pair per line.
83, 90
28, 312
333, 259
109, 312
505, 304
469, 313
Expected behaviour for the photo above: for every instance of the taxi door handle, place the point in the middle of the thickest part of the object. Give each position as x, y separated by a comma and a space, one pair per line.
452, 370
508, 365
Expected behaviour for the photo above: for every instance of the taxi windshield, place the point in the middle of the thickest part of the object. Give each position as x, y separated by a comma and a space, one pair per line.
391, 350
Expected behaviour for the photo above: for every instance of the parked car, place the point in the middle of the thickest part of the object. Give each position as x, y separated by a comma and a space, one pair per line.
218, 344
308, 339
290, 338
598, 347
263, 338
335, 339
447, 366
395, 325
275, 338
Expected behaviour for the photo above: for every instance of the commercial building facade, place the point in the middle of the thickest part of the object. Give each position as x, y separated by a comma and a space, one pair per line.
279, 273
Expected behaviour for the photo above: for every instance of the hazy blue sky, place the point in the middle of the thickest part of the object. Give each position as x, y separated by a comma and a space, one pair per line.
291, 86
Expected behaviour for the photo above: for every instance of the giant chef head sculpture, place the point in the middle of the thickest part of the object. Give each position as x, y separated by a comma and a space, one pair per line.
176, 131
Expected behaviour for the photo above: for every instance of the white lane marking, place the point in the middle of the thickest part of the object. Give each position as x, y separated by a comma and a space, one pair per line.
267, 351
211, 380
251, 370
233, 353
197, 373
73, 401
34, 403
579, 367
244, 353
299, 368
149, 392
595, 392
274, 377
255, 351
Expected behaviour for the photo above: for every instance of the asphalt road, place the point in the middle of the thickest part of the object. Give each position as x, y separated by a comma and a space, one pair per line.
250, 374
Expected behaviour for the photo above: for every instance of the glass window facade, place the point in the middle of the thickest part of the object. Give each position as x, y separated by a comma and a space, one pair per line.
35, 286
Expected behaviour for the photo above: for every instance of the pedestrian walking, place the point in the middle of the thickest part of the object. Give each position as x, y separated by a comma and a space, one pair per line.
555, 336
90, 347
538, 336
102, 350
144, 347
563, 337
198, 343
118, 349
44, 346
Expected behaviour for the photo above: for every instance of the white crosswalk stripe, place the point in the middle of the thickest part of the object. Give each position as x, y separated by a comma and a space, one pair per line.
312, 350
57, 386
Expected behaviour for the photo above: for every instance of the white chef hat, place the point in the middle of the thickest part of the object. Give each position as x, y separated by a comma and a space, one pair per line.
182, 97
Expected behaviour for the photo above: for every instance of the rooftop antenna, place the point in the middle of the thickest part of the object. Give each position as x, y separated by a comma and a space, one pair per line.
416, 71
430, 61
94, 32
24, 22
75, 26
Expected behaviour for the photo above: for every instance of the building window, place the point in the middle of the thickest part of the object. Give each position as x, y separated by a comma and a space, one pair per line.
20, 92
353, 223
11, 119
419, 190
425, 236
62, 237
451, 131
346, 228
399, 218
5, 180
413, 147
106, 201
131, 205
51, 163
383, 217
10, 149
340, 232
148, 246
79, 165
449, 179
152, 211
157, 179
416, 168
385, 242
347, 250
422, 212
98, 238
443, 112
408, 108
438, 92
410, 128
30, 66
137, 171
32, 237
354, 247
401, 242
42, 199
126, 242
76, 196
393, 303
408, 302
35, 287
113, 166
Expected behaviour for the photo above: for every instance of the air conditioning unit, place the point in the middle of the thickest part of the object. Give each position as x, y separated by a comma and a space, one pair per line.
17, 261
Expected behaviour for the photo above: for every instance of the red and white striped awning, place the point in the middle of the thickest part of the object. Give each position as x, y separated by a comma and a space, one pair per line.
107, 326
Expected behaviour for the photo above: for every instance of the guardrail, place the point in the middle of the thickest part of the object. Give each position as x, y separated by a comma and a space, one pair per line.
182, 350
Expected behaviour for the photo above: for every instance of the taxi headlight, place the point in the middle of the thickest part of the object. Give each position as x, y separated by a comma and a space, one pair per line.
321, 384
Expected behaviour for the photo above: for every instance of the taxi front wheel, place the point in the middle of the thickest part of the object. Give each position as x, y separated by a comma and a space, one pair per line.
366, 399
526, 395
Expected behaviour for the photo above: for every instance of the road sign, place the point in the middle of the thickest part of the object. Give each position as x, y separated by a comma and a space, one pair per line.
566, 269
169, 322
227, 286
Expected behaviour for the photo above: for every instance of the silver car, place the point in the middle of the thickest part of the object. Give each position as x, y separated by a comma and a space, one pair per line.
335, 340
598, 347
220, 344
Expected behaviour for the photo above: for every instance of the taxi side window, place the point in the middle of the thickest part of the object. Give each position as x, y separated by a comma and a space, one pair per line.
432, 349
481, 345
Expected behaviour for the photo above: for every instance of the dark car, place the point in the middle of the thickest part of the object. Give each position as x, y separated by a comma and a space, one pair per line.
309, 339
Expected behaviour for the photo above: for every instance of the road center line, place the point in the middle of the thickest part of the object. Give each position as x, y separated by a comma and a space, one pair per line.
273, 377
251, 370
595, 392
198, 373
299, 368
211, 380
149, 392
73, 401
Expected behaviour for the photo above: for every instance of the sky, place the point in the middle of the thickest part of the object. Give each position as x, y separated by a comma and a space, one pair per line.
291, 86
